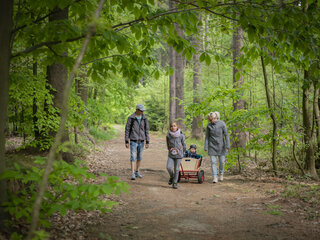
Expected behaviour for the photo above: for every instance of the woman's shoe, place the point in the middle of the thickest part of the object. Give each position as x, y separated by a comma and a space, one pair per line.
175, 185
170, 181
221, 178
215, 180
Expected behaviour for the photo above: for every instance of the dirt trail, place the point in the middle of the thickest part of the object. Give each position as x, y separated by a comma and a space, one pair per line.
233, 209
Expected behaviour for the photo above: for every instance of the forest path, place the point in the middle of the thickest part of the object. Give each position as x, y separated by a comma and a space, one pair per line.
234, 209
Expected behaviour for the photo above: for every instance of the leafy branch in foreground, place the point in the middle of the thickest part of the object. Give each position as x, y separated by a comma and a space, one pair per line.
70, 187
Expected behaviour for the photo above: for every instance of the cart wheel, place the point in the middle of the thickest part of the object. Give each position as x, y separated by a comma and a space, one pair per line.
179, 177
201, 176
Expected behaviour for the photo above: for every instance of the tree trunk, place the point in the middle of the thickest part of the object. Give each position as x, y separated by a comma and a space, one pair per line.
273, 117
317, 118
180, 114
57, 77
316, 110
197, 126
6, 12
239, 136
307, 128
34, 106
172, 85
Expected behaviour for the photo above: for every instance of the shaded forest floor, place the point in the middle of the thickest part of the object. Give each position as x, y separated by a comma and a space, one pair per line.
239, 208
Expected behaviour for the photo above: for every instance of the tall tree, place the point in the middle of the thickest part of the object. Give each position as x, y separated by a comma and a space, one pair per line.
57, 75
273, 117
239, 136
308, 118
307, 127
6, 23
180, 114
197, 125
316, 115
172, 85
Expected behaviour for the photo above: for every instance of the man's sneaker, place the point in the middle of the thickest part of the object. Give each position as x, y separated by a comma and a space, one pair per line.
138, 174
133, 176
170, 181
221, 177
215, 180
175, 185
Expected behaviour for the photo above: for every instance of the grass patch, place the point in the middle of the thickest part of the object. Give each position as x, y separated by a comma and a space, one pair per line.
104, 135
273, 210
306, 193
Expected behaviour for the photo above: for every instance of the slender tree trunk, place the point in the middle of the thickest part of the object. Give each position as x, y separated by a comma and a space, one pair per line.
273, 117
317, 119
316, 112
6, 12
57, 76
307, 128
180, 114
239, 136
197, 126
172, 87
34, 106
83, 90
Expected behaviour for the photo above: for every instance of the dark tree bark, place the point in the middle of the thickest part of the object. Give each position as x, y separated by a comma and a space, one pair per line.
34, 106
81, 89
57, 77
180, 114
197, 126
6, 12
307, 128
317, 117
239, 136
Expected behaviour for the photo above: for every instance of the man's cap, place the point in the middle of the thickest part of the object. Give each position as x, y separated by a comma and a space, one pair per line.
140, 107
193, 146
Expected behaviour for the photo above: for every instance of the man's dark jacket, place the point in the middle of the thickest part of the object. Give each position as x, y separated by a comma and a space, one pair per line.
135, 131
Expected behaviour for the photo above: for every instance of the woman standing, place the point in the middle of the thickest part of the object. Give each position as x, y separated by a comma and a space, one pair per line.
176, 148
217, 143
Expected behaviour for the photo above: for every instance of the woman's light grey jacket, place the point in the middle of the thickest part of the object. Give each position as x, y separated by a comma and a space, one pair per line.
176, 142
217, 139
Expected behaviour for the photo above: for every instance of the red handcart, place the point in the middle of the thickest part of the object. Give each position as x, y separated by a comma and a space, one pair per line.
189, 168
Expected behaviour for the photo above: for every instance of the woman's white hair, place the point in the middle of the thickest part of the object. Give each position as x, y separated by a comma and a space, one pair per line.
213, 115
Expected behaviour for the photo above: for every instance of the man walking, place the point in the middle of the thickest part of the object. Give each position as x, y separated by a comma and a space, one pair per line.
137, 131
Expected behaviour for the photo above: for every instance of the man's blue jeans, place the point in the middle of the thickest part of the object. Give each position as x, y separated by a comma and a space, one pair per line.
136, 149
214, 164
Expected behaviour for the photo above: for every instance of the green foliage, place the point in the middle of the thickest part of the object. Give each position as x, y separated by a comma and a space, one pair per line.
306, 193
69, 189
100, 134
273, 210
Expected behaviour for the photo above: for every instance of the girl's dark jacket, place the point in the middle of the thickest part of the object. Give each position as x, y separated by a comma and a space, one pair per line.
178, 143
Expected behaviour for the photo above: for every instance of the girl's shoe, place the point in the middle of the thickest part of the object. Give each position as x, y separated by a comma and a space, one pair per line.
215, 180
175, 185
170, 181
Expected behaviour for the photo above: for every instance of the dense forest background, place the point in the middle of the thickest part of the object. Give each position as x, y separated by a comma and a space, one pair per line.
256, 62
